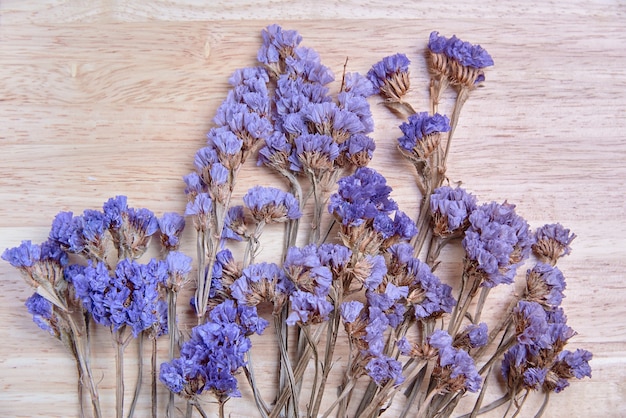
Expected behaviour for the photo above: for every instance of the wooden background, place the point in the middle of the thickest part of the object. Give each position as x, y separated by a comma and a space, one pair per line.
112, 97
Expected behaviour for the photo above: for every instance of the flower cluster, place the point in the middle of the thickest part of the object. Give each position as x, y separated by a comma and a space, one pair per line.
364, 208
455, 368
450, 209
461, 62
496, 242
211, 358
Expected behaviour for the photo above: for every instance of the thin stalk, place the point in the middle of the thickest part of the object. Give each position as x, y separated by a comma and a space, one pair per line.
133, 404
521, 405
189, 409
544, 405
345, 392
119, 373
80, 385
483, 390
221, 409
82, 350
484, 292
249, 371
455, 324
426, 403
461, 98
172, 328
307, 335
153, 364
286, 363
493, 405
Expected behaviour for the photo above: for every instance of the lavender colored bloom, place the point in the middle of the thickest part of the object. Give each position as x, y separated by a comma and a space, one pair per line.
450, 208
377, 324
545, 284
497, 242
440, 339
387, 68
577, 362
114, 209
234, 224
351, 310
336, 256
477, 334
171, 225
305, 269
361, 196
219, 174
404, 346
305, 63
463, 52
401, 253
277, 44
553, 241
41, 310
275, 151
195, 184
25, 255
261, 282
142, 222
66, 231
532, 324
246, 316
377, 271
224, 142
455, 363
419, 126
315, 152
534, 377
208, 361
359, 144
383, 369
270, 204
430, 297
308, 308
201, 205
178, 267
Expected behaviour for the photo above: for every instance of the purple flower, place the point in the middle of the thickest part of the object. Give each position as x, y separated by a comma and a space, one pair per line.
234, 224
531, 324
387, 68
305, 63
377, 323
419, 126
450, 208
383, 369
440, 339
305, 269
277, 44
114, 209
41, 310
361, 196
308, 308
497, 241
552, 242
262, 282
351, 310
25, 255
171, 224
477, 334
534, 377
359, 149
314, 152
195, 184
463, 52
335, 256
275, 151
577, 362
246, 316
208, 360
178, 267
201, 205
224, 142
430, 297
271, 205
545, 284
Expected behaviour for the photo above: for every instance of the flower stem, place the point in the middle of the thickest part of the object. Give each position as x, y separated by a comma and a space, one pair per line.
153, 363
172, 329
131, 412
119, 373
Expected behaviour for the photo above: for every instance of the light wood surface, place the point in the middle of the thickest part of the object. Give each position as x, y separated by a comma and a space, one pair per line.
104, 98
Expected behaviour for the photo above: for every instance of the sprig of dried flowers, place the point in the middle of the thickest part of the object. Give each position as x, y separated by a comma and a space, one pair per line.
359, 270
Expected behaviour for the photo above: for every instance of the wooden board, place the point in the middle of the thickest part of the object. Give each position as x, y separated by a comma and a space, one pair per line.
109, 98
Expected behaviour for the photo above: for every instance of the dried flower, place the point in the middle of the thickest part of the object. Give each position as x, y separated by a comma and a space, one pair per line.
271, 205
171, 224
552, 242
390, 77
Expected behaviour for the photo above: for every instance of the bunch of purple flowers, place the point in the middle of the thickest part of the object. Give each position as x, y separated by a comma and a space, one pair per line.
359, 274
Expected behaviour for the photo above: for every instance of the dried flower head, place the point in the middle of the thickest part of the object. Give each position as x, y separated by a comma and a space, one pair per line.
552, 242
450, 209
390, 77
422, 135
545, 284
271, 205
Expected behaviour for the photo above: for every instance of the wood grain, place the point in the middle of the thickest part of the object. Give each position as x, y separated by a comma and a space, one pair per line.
105, 98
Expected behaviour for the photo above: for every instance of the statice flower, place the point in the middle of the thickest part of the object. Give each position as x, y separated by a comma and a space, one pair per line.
390, 77
552, 242
275, 153
390, 302
455, 370
496, 243
129, 297
306, 64
200, 207
314, 153
450, 209
43, 315
461, 62
357, 151
208, 361
545, 284
473, 336
24, 255
383, 369
278, 44
131, 228
171, 225
262, 282
429, 297
83, 234
271, 205
235, 224
422, 134
308, 308
178, 269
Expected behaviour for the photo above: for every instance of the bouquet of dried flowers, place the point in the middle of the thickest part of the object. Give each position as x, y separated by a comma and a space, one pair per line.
360, 272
